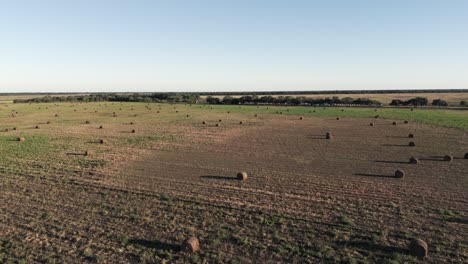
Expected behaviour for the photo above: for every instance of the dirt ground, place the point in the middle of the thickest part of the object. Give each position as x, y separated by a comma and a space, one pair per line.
307, 199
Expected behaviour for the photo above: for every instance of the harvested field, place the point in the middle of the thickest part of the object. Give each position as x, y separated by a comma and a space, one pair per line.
306, 199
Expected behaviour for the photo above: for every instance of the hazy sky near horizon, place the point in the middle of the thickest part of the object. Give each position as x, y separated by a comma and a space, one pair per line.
238, 45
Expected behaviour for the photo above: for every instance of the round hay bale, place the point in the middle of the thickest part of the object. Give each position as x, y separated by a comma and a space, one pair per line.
220, 120
89, 153
418, 248
342, 110
281, 113
7, 129
131, 123
412, 144
157, 112
371, 124
240, 123
14, 128
56, 115
448, 158
328, 135
133, 131
377, 116
188, 115
411, 135
191, 245
217, 124
101, 127
228, 112
36, 127
87, 122
20, 139
300, 118
256, 115
413, 160
412, 109
177, 111
394, 123
337, 118
102, 141
204, 122
48, 122
399, 173
406, 122
242, 176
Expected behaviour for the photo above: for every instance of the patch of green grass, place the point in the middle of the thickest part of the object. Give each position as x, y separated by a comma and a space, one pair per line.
32, 147
87, 163
438, 117
344, 220
144, 139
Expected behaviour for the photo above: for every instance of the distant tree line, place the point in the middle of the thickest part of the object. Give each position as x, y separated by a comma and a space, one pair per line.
195, 98
135, 97
290, 100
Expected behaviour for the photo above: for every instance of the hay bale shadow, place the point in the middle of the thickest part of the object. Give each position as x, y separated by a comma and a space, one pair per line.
370, 246
459, 220
374, 175
215, 177
322, 136
396, 145
395, 162
155, 244
75, 153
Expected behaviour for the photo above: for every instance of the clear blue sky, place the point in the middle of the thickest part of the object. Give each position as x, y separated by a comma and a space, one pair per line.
238, 45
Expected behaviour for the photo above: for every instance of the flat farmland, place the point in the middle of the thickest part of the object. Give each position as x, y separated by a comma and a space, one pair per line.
155, 174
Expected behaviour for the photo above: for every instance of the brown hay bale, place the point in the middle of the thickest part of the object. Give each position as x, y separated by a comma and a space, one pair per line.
89, 153
240, 123
371, 124
281, 113
36, 127
300, 118
448, 158
190, 245
406, 122
101, 127
204, 122
377, 116
242, 176
337, 118
220, 120
257, 114
413, 160
20, 139
14, 128
412, 144
7, 129
411, 135
418, 248
394, 123
217, 124
328, 135
133, 131
87, 122
188, 115
131, 123
48, 122
102, 141
399, 174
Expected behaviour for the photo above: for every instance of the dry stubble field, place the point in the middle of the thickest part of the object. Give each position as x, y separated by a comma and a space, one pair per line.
307, 199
